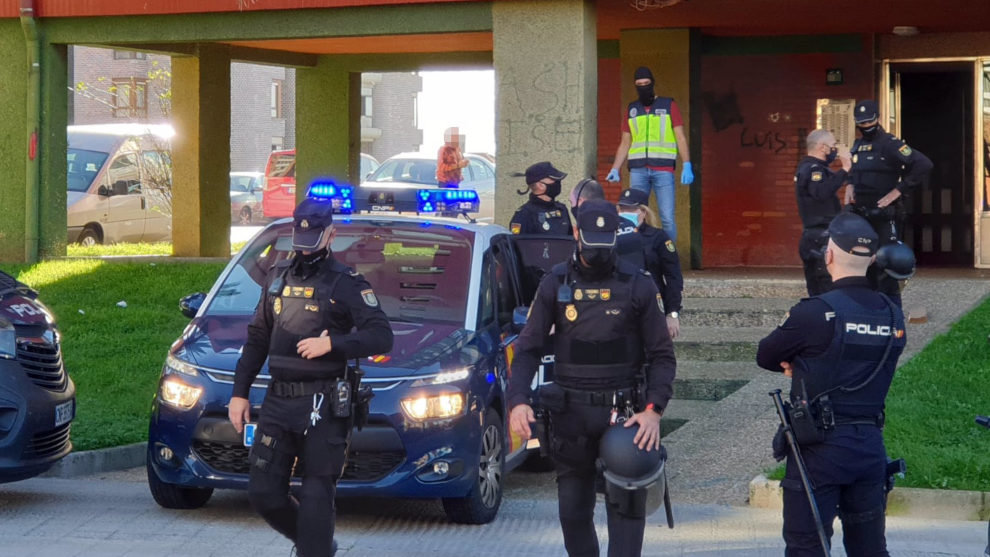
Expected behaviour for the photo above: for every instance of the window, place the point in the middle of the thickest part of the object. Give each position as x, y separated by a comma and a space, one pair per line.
130, 97
479, 171
129, 55
125, 175
276, 100
506, 300
277, 142
366, 106
486, 304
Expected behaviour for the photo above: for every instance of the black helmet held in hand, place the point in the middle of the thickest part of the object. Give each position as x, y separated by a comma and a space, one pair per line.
897, 260
635, 480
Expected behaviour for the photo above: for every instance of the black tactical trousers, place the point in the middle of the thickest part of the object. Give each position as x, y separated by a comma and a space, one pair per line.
309, 519
576, 432
888, 224
811, 249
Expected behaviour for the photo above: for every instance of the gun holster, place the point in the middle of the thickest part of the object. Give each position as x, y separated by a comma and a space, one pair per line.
361, 399
803, 423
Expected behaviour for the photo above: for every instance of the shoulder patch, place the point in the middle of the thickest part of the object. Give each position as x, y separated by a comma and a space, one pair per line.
670, 246
816, 176
784, 320
905, 150
515, 227
369, 297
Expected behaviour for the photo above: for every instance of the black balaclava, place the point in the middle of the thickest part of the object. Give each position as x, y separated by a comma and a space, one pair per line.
645, 92
309, 263
600, 261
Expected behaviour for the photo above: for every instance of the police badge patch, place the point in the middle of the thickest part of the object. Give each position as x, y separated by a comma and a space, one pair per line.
606, 294
516, 227
578, 294
670, 245
816, 176
277, 306
570, 312
369, 297
905, 150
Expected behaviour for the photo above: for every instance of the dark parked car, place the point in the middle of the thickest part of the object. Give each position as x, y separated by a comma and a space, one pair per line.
438, 419
37, 398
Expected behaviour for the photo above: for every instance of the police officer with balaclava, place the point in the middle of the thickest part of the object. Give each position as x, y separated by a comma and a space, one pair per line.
608, 325
542, 214
883, 169
815, 186
315, 314
840, 350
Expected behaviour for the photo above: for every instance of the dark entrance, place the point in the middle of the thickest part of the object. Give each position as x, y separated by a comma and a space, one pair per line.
936, 111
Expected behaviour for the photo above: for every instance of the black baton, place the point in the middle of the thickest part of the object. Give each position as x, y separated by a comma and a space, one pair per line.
802, 471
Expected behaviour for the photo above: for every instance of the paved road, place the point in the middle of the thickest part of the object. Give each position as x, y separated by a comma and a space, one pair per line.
114, 516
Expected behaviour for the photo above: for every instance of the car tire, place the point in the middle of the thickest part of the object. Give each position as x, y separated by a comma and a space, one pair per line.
482, 503
89, 237
172, 496
245, 217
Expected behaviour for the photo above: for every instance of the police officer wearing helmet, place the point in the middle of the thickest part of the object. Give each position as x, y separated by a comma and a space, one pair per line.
608, 327
883, 169
542, 214
840, 350
650, 248
315, 314
815, 186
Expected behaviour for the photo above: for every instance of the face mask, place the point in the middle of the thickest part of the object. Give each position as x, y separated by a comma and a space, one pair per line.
631, 217
597, 258
831, 155
869, 132
553, 190
645, 93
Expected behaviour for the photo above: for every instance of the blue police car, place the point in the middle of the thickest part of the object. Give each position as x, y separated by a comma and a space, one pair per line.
438, 422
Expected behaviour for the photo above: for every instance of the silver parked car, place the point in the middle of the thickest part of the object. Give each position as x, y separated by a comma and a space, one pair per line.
245, 197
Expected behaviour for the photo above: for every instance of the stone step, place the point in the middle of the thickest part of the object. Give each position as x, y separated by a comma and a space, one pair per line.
719, 344
711, 380
735, 312
680, 412
762, 287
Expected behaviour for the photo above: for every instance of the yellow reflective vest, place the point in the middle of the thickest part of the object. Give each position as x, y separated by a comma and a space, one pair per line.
653, 141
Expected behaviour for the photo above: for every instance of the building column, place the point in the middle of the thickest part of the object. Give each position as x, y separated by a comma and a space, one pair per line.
668, 54
53, 145
328, 124
546, 93
14, 141
201, 153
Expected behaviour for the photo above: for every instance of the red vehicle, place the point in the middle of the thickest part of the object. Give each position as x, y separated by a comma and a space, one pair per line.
279, 197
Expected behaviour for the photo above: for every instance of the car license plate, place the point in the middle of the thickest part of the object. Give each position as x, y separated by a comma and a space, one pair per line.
249, 434
65, 412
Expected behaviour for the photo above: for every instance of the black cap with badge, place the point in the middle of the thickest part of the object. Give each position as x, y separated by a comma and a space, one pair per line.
541, 170
866, 111
853, 234
633, 196
598, 222
311, 218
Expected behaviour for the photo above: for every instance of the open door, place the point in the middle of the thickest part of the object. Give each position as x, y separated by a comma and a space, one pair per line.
983, 175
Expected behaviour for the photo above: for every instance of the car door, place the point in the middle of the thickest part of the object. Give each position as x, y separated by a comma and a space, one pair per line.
126, 210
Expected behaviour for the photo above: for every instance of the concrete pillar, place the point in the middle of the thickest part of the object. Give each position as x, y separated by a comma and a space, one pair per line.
668, 53
546, 101
52, 222
13, 140
201, 153
328, 127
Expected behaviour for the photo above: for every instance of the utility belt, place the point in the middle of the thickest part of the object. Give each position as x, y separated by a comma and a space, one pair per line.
554, 399
871, 211
348, 398
292, 389
810, 422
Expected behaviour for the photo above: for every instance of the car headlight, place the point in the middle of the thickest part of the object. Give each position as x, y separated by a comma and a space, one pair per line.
8, 340
432, 407
442, 378
175, 365
179, 394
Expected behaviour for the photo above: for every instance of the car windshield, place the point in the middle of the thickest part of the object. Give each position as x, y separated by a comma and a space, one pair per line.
413, 171
83, 166
241, 183
420, 272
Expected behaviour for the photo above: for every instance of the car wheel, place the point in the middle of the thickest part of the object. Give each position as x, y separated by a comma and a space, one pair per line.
245, 216
172, 496
89, 237
482, 503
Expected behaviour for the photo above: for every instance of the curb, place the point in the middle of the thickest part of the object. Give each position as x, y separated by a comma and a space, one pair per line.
943, 504
97, 461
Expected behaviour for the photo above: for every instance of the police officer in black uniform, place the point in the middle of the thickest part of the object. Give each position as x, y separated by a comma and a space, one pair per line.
542, 214
883, 169
608, 325
650, 248
816, 186
840, 350
315, 314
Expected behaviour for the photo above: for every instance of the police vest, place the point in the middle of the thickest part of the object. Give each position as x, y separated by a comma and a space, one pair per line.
597, 335
873, 175
630, 246
302, 309
653, 140
859, 344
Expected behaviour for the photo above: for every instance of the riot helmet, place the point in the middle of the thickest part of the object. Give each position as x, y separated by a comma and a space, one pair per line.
897, 260
635, 479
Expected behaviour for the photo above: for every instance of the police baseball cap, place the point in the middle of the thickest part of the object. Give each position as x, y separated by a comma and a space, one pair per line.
853, 234
633, 196
541, 170
598, 222
310, 220
866, 111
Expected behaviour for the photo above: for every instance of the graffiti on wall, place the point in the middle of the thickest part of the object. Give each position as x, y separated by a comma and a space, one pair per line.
542, 111
723, 109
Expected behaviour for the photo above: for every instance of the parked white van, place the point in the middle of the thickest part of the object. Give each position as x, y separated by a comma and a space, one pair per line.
119, 183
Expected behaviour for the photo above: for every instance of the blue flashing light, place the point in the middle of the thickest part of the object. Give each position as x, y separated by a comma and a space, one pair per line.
329, 190
426, 224
447, 201
490, 378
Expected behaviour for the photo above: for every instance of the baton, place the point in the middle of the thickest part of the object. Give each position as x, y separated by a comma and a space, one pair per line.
802, 471
666, 502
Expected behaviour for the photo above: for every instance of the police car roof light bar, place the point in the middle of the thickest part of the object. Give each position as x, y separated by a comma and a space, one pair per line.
342, 197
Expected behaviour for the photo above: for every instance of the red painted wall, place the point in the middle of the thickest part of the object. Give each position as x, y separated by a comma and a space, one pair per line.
610, 112
764, 107
78, 8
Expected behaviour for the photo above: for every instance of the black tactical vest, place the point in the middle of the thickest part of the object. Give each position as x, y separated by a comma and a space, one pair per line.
873, 174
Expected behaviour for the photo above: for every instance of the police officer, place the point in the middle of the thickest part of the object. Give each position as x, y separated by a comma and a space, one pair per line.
840, 350
815, 186
605, 314
542, 214
315, 314
883, 169
650, 248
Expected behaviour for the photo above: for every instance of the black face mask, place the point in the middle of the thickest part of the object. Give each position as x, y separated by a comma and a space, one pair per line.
645, 93
598, 258
553, 190
831, 155
869, 132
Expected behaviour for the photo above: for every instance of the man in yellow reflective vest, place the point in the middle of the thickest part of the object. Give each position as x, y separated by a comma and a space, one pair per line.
652, 136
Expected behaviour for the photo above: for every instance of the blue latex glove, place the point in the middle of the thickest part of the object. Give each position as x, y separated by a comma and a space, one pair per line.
687, 176
613, 176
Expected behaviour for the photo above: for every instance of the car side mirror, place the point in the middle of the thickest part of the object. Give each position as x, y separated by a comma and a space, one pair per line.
104, 191
519, 316
189, 305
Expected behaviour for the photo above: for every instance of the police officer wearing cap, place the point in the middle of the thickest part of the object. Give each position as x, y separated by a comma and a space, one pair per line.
315, 314
542, 214
840, 350
608, 326
883, 169
650, 248
815, 186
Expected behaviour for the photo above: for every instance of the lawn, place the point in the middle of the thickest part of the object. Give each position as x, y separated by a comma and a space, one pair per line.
114, 354
124, 249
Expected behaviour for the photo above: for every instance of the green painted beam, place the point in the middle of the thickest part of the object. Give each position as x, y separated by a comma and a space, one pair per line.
52, 217
328, 137
13, 141
280, 24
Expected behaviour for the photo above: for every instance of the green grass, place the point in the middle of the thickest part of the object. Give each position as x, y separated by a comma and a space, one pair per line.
113, 354
156, 248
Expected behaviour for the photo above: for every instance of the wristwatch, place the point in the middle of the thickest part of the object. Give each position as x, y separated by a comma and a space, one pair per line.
674, 314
